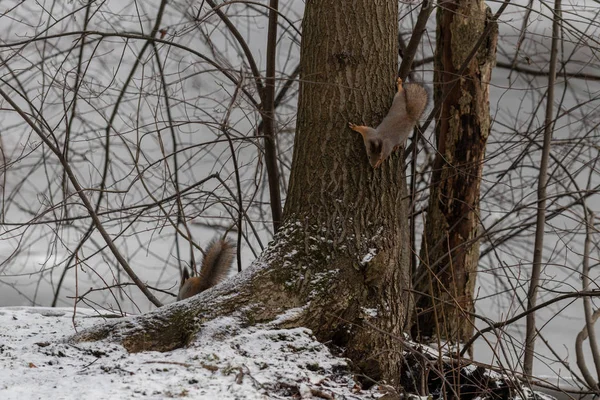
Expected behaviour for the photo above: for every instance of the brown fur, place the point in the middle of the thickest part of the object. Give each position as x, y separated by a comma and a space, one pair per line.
216, 265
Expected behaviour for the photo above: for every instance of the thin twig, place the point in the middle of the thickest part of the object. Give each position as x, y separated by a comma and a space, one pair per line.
541, 195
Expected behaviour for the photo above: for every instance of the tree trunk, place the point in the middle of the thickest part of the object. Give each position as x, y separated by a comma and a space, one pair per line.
341, 257
445, 280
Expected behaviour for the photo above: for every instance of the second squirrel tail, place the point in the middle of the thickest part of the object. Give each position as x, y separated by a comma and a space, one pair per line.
217, 262
216, 265
416, 100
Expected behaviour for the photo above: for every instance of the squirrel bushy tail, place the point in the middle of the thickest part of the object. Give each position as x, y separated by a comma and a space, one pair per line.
217, 262
216, 265
416, 100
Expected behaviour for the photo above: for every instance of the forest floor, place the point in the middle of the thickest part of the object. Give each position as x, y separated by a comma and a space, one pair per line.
226, 361
38, 362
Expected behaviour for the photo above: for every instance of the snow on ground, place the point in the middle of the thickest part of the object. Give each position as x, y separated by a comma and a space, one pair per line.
226, 362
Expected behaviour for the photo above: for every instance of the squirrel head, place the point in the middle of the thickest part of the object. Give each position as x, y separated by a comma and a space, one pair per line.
374, 151
373, 144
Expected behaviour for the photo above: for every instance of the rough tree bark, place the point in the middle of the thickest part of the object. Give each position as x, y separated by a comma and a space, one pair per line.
450, 247
341, 257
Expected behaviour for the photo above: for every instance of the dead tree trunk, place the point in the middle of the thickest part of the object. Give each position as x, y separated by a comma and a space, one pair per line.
341, 257
445, 280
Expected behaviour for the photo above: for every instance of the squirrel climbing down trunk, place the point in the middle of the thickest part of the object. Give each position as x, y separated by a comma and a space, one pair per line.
407, 107
216, 264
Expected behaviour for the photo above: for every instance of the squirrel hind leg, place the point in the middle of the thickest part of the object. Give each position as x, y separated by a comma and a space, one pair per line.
399, 84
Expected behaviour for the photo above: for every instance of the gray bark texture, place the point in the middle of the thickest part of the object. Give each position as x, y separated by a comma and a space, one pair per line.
445, 279
341, 257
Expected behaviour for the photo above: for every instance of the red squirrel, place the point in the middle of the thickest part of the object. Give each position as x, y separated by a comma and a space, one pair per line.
216, 264
408, 105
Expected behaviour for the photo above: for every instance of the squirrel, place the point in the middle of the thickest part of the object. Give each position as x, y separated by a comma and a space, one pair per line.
408, 105
216, 264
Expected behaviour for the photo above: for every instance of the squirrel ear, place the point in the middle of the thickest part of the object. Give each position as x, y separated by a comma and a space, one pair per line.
185, 275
